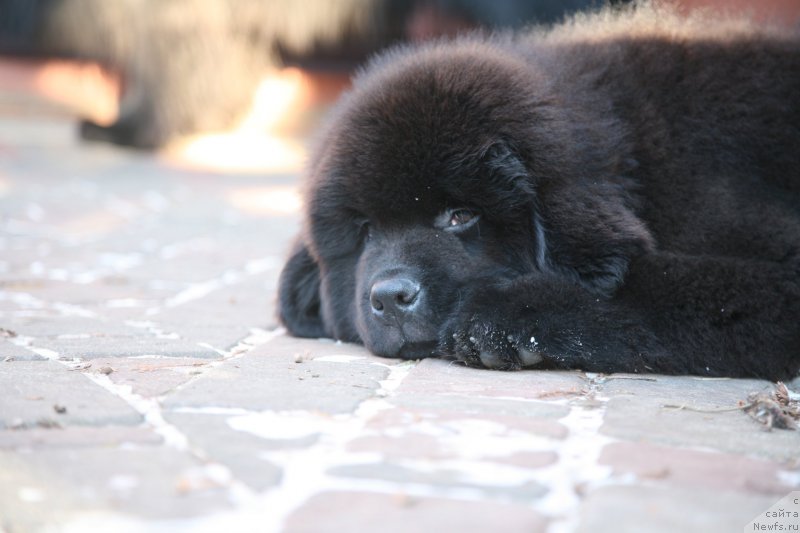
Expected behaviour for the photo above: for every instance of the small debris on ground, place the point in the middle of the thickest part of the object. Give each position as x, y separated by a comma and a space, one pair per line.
105, 370
48, 423
779, 408
602, 378
7, 333
9, 359
404, 500
60, 409
559, 393
208, 477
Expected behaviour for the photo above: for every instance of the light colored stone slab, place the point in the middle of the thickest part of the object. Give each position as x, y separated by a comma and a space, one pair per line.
33, 393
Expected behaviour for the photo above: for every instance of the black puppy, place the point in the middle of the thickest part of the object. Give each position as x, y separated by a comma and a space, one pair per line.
620, 193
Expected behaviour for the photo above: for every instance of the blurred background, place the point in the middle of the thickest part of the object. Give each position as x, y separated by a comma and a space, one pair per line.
236, 85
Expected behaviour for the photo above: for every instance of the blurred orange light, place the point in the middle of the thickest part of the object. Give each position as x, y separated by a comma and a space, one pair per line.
90, 90
255, 144
266, 201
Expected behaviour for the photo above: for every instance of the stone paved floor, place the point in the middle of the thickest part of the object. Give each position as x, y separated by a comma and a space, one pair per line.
146, 386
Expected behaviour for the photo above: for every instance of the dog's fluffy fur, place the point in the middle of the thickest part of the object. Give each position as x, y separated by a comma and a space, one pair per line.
618, 193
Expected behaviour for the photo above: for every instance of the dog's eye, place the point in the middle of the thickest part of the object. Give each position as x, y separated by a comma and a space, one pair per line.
457, 220
460, 217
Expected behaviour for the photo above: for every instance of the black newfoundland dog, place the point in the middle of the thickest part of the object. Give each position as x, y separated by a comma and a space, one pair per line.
618, 194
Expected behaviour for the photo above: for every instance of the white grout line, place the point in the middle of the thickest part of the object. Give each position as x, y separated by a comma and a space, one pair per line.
304, 471
152, 414
149, 408
232, 276
256, 338
29, 302
151, 411
152, 328
577, 468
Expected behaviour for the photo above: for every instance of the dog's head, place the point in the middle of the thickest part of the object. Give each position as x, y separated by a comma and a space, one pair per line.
443, 169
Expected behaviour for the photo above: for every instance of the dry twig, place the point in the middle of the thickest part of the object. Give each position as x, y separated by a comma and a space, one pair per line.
779, 408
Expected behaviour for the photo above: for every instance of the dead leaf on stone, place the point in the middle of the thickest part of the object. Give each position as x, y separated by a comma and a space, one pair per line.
7, 333
80, 366
784, 395
779, 408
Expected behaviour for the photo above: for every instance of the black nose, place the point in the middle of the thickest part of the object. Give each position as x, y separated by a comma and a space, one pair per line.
394, 296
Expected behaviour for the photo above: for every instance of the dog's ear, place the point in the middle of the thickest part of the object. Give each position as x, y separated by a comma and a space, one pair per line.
299, 296
592, 232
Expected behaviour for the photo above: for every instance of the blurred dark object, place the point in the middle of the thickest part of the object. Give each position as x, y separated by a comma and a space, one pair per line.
190, 66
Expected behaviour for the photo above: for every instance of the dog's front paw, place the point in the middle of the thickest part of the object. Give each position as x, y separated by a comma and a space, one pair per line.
480, 337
